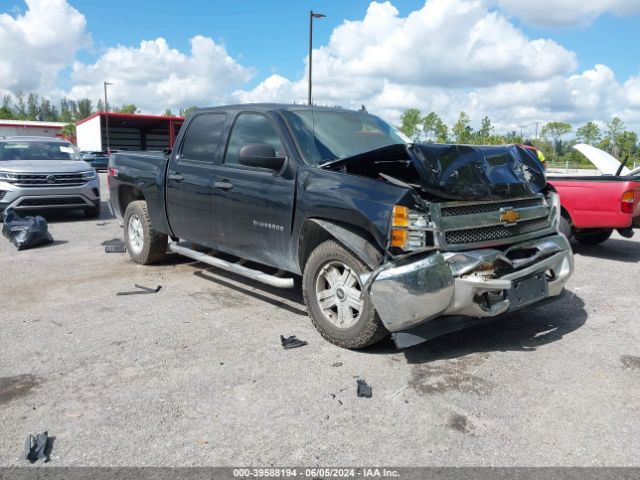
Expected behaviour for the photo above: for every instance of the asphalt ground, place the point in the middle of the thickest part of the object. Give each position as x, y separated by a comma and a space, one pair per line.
195, 374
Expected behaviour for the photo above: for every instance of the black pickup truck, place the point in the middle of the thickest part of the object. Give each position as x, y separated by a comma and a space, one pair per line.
387, 235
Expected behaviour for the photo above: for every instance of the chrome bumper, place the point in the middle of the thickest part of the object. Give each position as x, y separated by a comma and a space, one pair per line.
460, 283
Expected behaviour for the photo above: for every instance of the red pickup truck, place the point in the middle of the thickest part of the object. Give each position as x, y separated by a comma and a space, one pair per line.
593, 206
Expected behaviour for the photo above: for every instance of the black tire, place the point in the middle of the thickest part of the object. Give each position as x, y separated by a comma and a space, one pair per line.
92, 212
154, 243
593, 236
368, 329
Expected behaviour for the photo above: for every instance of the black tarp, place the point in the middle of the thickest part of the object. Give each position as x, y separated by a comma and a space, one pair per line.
27, 232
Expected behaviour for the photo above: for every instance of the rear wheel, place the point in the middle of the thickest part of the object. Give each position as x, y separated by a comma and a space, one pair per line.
145, 245
593, 236
339, 307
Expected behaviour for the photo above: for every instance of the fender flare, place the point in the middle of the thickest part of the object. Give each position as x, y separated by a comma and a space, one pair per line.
354, 241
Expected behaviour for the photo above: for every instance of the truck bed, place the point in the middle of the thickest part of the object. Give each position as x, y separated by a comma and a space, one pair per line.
595, 201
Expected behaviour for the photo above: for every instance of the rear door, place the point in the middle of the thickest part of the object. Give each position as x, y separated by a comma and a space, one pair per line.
190, 178
255, 204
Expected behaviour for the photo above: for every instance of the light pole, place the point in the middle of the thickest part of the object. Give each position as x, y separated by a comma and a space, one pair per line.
312, 15
106, 117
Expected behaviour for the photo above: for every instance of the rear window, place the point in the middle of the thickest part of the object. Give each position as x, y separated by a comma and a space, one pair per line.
29, 150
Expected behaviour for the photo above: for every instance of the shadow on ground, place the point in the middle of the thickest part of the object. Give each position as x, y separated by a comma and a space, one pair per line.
613, 249
523, 331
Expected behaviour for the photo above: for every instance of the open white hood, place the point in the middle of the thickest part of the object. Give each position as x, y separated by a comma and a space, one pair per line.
604, 162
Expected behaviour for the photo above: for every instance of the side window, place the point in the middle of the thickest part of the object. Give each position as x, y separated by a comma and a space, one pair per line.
204, 137
251, 128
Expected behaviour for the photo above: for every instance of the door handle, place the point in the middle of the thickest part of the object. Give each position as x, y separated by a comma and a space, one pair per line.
224, 185
176, 177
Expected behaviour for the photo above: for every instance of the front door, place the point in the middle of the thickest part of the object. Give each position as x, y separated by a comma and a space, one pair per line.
256, 204
190, 179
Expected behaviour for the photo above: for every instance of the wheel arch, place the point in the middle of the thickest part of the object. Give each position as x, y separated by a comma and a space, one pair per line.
128, 194
315, 231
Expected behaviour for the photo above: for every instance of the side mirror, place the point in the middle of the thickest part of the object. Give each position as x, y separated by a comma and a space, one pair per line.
261, 156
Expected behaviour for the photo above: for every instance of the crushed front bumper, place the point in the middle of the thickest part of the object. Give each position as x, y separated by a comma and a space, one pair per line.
480, 284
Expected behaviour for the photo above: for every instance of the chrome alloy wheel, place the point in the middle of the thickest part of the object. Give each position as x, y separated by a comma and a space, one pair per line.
135, 232
339, 294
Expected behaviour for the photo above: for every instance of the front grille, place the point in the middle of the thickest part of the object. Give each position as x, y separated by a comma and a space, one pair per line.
51, 202
489, 207
49, 180
495, 232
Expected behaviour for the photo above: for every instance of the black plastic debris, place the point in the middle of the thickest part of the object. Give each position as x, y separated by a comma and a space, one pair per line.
291, 342
115, 245
27, 232
35, 447
364, 390
142, 290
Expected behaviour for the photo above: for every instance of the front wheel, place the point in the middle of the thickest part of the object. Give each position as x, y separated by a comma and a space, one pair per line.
339, 307
145, 245
593, 236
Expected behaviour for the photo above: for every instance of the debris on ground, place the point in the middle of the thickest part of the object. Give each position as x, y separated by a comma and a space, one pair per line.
292, 342
115, 245
399, 391
364, 390
35, 447
27, 232
337, 364
142, 290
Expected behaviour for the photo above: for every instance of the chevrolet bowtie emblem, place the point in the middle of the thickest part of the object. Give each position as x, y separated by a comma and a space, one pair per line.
509, 216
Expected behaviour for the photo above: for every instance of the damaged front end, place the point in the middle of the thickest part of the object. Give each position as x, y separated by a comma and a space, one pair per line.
477, 238
447, 291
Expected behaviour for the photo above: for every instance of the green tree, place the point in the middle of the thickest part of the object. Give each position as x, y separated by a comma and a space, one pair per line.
47, 112
33, 106
435, 130
615, 128
462, 131
483, 135
20, 111
186, 111
6, 110
555, 130
100, 106
167, 113
131, 108
83, 109
410, 122
588, 133
69, 130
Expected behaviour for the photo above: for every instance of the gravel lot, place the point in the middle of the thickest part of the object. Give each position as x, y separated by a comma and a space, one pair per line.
195, 374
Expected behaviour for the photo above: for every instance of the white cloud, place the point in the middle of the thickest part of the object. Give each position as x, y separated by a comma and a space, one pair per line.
39, 43
445, 43
566, 12
154, 76
451, 56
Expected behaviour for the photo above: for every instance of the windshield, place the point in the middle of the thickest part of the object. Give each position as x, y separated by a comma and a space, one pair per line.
39, 150
324, 136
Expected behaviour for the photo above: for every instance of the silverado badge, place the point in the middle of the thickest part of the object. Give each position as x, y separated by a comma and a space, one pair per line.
509, 216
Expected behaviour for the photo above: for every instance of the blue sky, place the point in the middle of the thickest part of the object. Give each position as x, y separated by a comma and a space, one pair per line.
265, 44
272, 35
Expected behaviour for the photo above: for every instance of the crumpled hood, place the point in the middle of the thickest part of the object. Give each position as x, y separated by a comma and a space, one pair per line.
455, 172
44, 166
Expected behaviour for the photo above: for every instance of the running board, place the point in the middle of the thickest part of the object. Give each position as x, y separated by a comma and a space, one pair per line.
273, 280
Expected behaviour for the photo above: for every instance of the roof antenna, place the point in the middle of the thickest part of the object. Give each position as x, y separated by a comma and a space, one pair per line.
363, 109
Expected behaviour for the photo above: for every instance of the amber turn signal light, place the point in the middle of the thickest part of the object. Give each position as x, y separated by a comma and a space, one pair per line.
400, 216
399, 238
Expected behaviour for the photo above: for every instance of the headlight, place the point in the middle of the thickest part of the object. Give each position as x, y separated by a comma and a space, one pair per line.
7, 177
89, 175
409, 229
